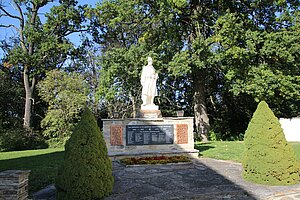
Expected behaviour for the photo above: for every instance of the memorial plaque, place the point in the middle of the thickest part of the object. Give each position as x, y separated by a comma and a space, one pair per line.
182, 133
116, 136
149, 134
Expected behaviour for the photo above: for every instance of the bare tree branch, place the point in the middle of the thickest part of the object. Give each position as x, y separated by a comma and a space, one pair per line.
8, 26
20, 13
74, 31
8, 14
22, 23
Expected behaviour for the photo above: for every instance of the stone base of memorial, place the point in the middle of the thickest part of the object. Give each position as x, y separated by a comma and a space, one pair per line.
149, 137
150, 114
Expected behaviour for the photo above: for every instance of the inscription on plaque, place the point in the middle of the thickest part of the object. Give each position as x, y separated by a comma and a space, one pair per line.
116, 135
182, 133
149, 134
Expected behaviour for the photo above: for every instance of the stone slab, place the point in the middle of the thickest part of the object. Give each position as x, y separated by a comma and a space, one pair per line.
182, 133
150, 114
179, 139
149, 134
116, 135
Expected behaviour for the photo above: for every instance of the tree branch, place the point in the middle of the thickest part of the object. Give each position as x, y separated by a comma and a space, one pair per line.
8, 14
34, 11
74, 31
33, 83
8, 26
22, 23
21, 18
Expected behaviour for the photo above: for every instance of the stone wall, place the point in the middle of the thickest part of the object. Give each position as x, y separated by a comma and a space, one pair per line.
14, 185
114, 131
291, 129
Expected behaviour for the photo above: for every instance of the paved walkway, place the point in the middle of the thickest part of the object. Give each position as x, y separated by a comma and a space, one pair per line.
204, 178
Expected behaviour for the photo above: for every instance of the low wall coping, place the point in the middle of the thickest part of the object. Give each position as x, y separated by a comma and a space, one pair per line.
13, 173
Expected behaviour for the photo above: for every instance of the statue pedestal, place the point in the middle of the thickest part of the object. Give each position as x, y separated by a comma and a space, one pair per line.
149, 107
150, 114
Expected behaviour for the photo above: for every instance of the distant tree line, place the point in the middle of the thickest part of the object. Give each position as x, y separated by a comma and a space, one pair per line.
215, 59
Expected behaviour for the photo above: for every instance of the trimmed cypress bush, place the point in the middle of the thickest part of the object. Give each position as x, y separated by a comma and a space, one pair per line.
87, 170
268, 158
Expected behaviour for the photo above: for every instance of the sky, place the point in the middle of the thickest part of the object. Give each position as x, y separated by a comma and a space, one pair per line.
9, 6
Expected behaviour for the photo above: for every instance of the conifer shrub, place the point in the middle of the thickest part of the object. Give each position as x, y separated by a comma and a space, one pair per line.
87, 170
268, 158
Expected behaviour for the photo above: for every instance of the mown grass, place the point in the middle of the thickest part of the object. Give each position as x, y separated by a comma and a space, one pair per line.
223, 150
42, 163
230, 150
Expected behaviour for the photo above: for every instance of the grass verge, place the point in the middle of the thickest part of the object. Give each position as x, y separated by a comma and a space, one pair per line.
230, 150
43, 164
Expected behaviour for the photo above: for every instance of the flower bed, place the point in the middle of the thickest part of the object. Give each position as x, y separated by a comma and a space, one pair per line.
155, 160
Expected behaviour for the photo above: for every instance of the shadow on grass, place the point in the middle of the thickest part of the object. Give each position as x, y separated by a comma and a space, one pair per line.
43, 168
203, 147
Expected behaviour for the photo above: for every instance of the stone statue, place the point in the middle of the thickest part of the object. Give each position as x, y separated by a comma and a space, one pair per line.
148, 81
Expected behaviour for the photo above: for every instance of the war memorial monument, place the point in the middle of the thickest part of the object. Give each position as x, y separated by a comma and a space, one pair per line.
150, 133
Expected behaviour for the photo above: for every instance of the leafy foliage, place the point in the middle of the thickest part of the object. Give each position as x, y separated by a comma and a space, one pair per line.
222, 54
87, 170
119, 86
259, 63
155, 160
39, 47
11, 92
66, 93
268, 158
158, 30
19, 139
215, 60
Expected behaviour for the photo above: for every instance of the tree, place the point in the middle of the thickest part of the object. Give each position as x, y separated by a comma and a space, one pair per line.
10, 99
163, 28
268, 158
260, 61
220, 48
120, 87
12, 136
87, 170
66, 95
40, 47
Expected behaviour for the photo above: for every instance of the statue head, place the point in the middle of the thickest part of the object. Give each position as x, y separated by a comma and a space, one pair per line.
150, 61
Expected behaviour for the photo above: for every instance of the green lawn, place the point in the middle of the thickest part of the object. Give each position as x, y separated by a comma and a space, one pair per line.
42, 163
230, 150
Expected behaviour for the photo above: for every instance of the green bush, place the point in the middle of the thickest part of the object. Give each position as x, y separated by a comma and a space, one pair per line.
20, 139
268, 158
155, 160
57, 142
87, 171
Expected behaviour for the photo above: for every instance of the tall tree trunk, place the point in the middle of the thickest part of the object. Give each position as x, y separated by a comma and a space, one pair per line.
200, 109
134, 100
28, 99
